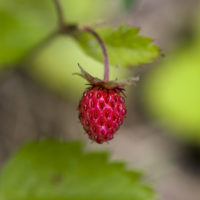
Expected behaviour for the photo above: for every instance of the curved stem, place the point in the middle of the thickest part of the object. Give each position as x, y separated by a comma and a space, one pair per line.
59, 12
103, 47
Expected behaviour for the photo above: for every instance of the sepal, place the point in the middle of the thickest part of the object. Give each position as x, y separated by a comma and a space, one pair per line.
96, 82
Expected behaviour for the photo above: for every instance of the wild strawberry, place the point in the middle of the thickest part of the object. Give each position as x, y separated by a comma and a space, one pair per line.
101, 112
102, 108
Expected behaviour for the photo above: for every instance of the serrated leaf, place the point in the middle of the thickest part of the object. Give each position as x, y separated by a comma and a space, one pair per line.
124, 45
51, 170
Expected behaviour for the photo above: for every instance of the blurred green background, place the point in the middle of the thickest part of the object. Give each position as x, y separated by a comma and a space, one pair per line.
171, 91
161, 134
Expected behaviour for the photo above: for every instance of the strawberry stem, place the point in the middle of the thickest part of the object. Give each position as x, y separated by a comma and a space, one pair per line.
103, 47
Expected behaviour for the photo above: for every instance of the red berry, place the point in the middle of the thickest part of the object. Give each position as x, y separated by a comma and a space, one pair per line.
101, 112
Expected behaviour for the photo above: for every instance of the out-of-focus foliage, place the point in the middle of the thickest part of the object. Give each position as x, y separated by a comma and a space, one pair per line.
25, 23
128, 4
173, 97
124, 45
61, 171
172, 92
54, 66
22, 27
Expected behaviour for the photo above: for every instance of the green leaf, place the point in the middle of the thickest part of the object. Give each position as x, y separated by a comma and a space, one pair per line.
124, 45
24, 25
51, 170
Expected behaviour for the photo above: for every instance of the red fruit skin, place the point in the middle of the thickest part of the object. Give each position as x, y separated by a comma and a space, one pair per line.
101, 112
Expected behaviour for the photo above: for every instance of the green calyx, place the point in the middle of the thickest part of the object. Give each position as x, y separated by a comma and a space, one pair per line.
113, 84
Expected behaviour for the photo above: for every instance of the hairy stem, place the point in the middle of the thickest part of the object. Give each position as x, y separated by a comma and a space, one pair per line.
59, 13
103, 47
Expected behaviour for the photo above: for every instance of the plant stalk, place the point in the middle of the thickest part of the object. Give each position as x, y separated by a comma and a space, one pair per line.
104, 51
59, 13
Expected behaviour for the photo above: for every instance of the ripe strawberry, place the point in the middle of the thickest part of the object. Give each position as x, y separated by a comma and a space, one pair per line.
101, 112
102, 107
